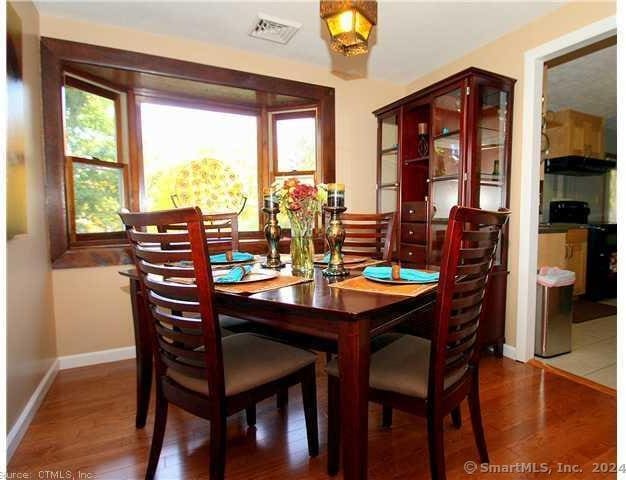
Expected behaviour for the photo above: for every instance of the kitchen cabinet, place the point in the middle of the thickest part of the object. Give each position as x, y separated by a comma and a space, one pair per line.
566, 250
575, 133
551, 250
576, 257
450, 144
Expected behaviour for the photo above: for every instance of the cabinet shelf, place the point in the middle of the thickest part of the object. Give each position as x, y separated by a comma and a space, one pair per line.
443, 178
446, 135
390, 150
417, 160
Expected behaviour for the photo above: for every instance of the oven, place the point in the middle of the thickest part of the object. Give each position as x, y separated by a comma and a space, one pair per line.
602, 261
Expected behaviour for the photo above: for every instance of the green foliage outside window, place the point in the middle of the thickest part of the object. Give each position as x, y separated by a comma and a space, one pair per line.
90, 125
90, 132
97, 198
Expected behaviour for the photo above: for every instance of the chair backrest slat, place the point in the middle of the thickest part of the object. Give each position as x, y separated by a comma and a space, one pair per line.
221, 231
177, 285
369, 234
468, 253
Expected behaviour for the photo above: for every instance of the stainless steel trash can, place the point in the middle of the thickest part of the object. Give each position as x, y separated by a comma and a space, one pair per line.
553, 332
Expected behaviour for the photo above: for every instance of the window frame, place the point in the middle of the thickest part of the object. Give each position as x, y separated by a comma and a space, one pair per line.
58, 56
277, 116
85, 239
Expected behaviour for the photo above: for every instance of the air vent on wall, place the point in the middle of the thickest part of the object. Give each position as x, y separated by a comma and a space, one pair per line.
274, 29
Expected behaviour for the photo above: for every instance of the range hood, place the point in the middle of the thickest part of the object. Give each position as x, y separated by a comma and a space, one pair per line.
579, 166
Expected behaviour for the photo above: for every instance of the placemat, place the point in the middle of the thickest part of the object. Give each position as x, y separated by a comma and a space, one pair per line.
362, 284
366, 263
256, 287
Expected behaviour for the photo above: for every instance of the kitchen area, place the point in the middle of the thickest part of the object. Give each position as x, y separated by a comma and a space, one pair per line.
577, 220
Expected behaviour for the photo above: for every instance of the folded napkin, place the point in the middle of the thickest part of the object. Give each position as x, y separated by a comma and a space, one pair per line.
234, 274
408, 274
237, 257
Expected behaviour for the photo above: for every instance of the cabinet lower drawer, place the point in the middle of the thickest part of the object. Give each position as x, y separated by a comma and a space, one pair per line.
413, 232
414, 211
412, 253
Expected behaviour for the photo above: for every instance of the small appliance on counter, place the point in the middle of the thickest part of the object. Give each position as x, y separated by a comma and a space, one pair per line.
569, 211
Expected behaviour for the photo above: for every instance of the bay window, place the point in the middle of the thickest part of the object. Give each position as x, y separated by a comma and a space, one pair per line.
149, 133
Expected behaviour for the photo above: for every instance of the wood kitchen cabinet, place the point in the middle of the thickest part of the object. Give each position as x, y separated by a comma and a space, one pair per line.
448, 144
566, 250
576, 257
575, 133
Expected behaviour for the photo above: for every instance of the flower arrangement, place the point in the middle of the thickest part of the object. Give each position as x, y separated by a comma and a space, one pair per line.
298, 199
302, 203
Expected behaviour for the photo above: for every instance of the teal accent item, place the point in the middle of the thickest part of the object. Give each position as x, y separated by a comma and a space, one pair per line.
407, 274
234, 275
237, 257
326, 258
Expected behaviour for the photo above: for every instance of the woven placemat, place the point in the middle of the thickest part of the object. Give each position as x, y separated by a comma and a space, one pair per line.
367, 263
256, 287
362, 284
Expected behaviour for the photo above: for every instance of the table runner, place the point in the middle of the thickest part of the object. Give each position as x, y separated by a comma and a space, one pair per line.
364, 285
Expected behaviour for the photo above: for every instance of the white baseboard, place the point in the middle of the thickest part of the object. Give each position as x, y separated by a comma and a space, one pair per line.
509, 351
92, 358
16, 434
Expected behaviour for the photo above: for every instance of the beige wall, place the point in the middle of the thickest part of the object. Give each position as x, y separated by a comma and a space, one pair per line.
92, 314
30, 321
506, 56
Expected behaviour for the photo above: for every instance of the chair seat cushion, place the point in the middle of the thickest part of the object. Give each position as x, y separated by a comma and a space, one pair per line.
250, 361
402, 367
233, 325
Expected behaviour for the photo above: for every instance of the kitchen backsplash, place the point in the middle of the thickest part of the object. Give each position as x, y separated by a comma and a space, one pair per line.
598, 191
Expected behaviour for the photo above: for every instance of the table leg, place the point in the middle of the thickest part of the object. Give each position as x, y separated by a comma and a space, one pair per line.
143, 353
354, 361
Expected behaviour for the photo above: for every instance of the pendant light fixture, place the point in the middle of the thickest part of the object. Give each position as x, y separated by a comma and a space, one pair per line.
350, 24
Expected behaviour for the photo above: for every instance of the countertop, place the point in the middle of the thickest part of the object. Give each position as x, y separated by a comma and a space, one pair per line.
559, 227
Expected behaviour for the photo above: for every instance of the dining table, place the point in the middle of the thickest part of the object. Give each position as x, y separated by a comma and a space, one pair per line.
351, 318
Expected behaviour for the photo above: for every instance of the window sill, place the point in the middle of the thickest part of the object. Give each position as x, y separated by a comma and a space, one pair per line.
108, 255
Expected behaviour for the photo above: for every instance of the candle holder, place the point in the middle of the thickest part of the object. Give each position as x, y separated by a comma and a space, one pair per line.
335, 235
272, 232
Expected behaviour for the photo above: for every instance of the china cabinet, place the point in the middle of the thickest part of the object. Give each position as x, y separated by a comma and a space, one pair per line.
448, 144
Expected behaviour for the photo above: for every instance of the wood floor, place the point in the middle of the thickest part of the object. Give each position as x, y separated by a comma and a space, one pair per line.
86, 425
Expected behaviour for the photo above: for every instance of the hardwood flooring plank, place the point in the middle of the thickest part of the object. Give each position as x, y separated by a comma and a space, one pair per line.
86, 424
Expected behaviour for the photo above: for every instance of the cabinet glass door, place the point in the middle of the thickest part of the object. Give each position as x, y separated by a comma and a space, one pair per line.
388, 164
447, 160
491, 147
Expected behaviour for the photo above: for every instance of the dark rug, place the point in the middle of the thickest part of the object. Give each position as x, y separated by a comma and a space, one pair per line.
585, 310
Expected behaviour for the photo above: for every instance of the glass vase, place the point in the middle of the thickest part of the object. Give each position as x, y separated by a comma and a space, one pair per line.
302, 248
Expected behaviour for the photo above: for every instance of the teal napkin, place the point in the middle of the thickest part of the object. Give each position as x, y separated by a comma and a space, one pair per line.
408, 274
234, 275
237, 257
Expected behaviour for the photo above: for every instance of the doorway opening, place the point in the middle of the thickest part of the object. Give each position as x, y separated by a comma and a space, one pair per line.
531, 151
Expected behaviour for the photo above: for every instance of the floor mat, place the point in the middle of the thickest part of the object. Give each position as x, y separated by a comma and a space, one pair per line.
585, 310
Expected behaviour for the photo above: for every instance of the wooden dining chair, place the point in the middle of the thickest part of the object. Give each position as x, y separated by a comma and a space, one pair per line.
432, 378
369, 234
222, 233
196, 369
221, 229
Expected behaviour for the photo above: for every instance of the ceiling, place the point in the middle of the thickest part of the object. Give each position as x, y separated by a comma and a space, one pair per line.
587, 84
410, 40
